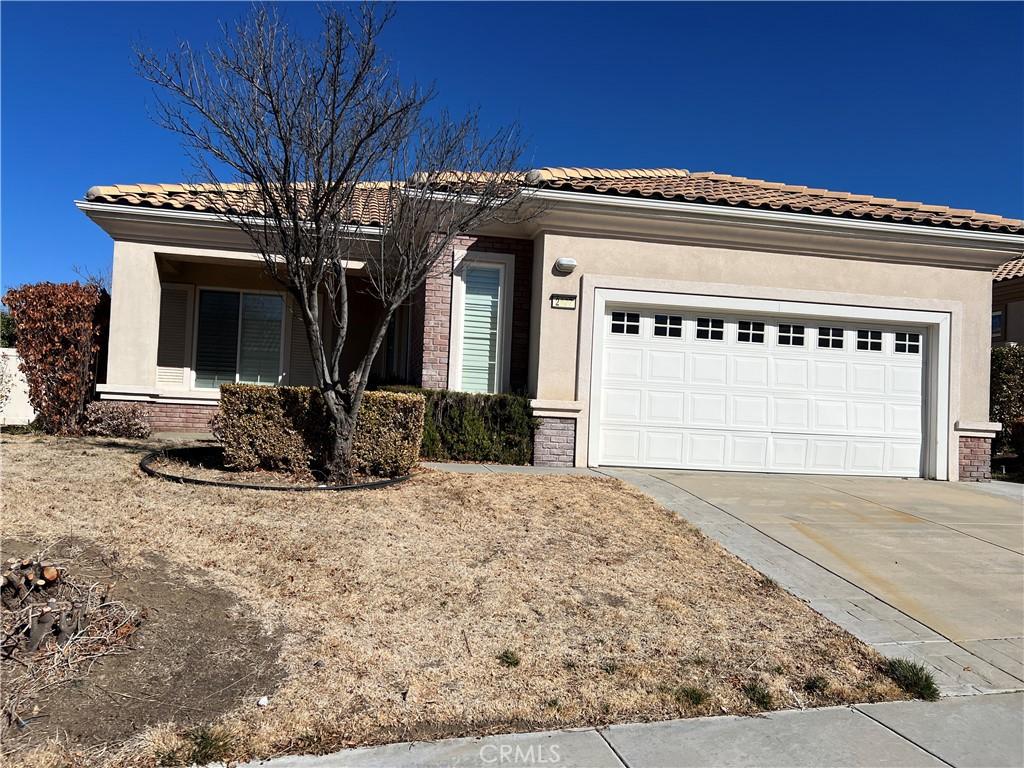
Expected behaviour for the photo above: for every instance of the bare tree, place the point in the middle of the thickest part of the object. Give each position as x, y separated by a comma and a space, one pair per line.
306, 142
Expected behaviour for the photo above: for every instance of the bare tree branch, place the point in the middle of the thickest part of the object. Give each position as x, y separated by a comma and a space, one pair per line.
298, 140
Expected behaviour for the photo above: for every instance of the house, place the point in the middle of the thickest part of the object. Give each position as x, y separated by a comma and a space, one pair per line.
1008, 303
658, 318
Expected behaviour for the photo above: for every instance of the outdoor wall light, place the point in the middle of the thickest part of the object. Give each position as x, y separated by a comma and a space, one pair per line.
565, 266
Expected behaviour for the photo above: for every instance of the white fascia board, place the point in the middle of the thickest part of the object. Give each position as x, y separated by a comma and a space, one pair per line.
582, 201
113, 211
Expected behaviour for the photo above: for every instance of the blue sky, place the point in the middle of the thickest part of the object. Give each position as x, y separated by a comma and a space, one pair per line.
917, 101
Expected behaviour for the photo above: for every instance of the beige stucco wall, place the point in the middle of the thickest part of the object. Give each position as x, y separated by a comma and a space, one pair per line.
134, 316
558, 331
140, 269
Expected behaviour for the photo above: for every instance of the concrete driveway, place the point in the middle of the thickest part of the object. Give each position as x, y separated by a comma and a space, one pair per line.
949, 555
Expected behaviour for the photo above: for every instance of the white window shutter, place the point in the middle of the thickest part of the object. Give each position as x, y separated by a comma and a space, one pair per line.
172, 342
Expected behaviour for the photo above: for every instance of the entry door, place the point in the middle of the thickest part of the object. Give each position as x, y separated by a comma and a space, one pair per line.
759, 393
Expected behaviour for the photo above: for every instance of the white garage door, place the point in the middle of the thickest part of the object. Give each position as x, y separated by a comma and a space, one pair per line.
760, 393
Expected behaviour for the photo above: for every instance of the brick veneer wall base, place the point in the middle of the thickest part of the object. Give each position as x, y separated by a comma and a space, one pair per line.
554, 442
177, 417
975, 459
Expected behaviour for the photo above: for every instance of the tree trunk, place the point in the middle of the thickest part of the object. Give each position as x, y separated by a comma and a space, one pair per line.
339, 453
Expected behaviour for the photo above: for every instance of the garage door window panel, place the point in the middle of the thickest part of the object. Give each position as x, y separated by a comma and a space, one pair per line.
830, 338
869, 341
710, 329
626, 323
908, 343
750, 332
668, 326
790, 335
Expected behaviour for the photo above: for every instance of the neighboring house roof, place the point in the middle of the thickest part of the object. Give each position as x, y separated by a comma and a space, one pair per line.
1009, 270
652, 183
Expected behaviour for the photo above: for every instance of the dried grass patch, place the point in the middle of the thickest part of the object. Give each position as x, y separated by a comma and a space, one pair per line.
397, 603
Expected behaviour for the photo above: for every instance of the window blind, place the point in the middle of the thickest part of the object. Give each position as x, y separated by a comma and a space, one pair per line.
259, 353
480, 329
217, 338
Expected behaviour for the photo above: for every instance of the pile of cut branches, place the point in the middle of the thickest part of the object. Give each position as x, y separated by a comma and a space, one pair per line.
54, 630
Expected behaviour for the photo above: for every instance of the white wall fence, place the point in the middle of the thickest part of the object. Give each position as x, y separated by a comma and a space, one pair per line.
15, 407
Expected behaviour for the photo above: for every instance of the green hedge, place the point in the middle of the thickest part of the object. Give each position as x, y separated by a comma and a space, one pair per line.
1007, 396
286, 429
462, 426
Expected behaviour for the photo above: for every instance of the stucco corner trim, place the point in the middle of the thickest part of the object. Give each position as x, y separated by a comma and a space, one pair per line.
978, 428
557, 409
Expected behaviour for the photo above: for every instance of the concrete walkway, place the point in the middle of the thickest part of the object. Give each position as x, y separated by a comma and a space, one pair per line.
983, 731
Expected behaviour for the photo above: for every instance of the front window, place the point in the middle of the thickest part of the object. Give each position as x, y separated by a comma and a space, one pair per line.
238, 338
997, 324
480, 327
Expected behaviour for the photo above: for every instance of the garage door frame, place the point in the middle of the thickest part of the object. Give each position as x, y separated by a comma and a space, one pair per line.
936, 395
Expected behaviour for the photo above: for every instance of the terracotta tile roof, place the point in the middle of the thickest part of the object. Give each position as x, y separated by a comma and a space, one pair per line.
653, 183
238, 199
722, 189
1009, 270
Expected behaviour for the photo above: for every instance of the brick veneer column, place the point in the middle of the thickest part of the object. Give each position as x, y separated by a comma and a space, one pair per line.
975, 459
554, 442
437, 316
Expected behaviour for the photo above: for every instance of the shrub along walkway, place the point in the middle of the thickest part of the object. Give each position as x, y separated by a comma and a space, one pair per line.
961, 731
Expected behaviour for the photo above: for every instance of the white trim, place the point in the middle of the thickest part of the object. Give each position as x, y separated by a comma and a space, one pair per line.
821, 221
558, 409
938, 459
196, 218
987, 429
283, 343
156, 395
505, 263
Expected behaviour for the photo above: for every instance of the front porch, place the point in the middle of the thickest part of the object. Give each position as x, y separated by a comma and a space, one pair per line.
185, 322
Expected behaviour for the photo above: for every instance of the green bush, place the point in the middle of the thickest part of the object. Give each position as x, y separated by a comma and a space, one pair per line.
915, 679
286, 429
1007, 396
463, 426
8, 330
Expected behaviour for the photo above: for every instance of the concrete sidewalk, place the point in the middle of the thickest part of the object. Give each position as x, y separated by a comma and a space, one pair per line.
972, 731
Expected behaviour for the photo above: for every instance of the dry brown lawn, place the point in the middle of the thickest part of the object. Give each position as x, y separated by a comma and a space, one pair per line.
395, 604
